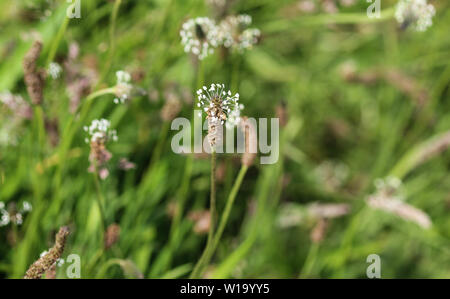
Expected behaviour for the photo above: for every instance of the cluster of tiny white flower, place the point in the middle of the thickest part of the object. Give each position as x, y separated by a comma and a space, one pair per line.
54, 69
99, 130
123, 87
201, 35
220, 105
417, 13
14, 216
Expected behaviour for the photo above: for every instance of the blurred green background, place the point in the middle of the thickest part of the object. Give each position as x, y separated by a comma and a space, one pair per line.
362, 98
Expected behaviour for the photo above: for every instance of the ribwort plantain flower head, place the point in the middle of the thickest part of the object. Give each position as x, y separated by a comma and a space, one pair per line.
415, 13
199, 36
123, 87
234, 32
220, 106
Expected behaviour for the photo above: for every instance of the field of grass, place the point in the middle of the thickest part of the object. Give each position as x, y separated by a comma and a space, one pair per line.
363, 165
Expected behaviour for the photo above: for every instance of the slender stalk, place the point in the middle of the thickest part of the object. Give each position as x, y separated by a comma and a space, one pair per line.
72, 128
223, 222
212, 207
225, 216
112, 41
59, 35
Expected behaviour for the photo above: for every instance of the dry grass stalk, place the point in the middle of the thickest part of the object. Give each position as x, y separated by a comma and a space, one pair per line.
38, 268
400, 208
251, 142
435, 147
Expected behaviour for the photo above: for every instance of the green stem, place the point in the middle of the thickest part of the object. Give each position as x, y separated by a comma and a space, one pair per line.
223, 221
225, 216
100, 201
212, 207
310, 260
69, 133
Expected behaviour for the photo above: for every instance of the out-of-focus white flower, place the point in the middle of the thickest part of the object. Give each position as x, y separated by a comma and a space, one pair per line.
401, 209
99, 134
218, 103
11, 214
199, 36
234, 117
27, 207
60, 262
415, 13
123, 87
234, 32
332, 174
54, 69
124, 164
99, 130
